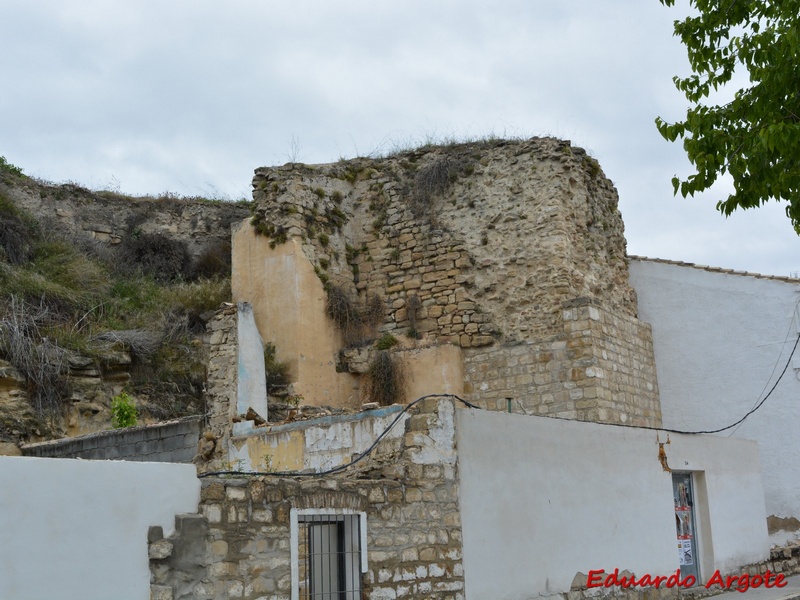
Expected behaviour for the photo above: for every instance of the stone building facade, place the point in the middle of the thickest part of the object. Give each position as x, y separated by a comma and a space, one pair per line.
495, 276
244, 541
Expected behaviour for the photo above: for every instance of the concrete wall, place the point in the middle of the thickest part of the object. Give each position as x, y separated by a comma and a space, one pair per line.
78, 529
174, 441
545, 499
720, 343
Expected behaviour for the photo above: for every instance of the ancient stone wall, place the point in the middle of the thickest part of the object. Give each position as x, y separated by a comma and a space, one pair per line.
481, 246
221, 379
241, 544
601, 369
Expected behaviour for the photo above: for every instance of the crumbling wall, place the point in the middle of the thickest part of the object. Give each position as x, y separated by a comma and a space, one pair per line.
477, 245
221, 380
241, 545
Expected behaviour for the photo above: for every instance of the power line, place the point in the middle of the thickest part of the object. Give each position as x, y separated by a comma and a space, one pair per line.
409, 406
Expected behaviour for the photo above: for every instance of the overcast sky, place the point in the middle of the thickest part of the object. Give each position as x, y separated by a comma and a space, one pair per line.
189, 97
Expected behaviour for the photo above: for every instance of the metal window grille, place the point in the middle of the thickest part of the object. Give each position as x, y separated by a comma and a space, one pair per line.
330, 557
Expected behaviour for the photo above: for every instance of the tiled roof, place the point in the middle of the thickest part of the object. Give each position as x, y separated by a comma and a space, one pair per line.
679, 263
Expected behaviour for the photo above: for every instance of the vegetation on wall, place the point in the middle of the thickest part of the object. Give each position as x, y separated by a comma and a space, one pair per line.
344, 313
277, 372
277, 234
385, 379
413, 304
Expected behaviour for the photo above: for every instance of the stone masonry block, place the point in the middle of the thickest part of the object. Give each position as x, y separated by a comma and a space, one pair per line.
161, 592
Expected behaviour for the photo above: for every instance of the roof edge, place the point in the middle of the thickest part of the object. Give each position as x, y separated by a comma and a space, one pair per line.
680, 263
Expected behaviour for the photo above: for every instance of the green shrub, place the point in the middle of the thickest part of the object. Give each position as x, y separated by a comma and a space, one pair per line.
387, 341
123, 411
17, 233
277, 371
7, 167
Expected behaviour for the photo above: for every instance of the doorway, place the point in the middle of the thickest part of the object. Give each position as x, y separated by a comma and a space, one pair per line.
684, 499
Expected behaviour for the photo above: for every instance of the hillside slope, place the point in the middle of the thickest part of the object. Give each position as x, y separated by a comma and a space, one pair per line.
104, 294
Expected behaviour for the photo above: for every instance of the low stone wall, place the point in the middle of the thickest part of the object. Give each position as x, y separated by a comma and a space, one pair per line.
172, 441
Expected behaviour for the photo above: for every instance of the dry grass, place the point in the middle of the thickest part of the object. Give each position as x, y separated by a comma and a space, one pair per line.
42, 361
386, 379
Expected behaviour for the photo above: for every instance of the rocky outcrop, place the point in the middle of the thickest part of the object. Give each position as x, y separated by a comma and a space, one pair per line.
108, 218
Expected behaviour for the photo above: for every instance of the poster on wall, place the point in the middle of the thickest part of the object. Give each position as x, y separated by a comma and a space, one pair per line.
683, 522
686, 553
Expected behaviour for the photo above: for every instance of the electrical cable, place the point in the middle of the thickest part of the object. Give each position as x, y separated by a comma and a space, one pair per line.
777, 362
757, 406
339, 468
409, 406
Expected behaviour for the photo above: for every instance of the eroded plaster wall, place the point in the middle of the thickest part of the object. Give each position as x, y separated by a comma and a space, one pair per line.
78, 529
545, 499
288, 303
251, 380
316, 444
721, 340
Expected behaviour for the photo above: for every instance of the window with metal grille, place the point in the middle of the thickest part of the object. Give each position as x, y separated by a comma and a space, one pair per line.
329, 555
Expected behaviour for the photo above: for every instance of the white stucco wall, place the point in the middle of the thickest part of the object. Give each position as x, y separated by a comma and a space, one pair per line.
77, 530
720, 344
544, 499
251, 389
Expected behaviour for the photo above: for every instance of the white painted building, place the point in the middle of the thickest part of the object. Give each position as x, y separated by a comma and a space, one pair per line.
721, 340
544, 501
77, 529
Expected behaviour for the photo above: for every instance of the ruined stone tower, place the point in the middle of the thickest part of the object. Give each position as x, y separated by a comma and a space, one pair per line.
499, 267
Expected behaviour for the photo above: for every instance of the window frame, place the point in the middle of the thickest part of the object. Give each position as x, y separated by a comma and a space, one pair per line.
294, 527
